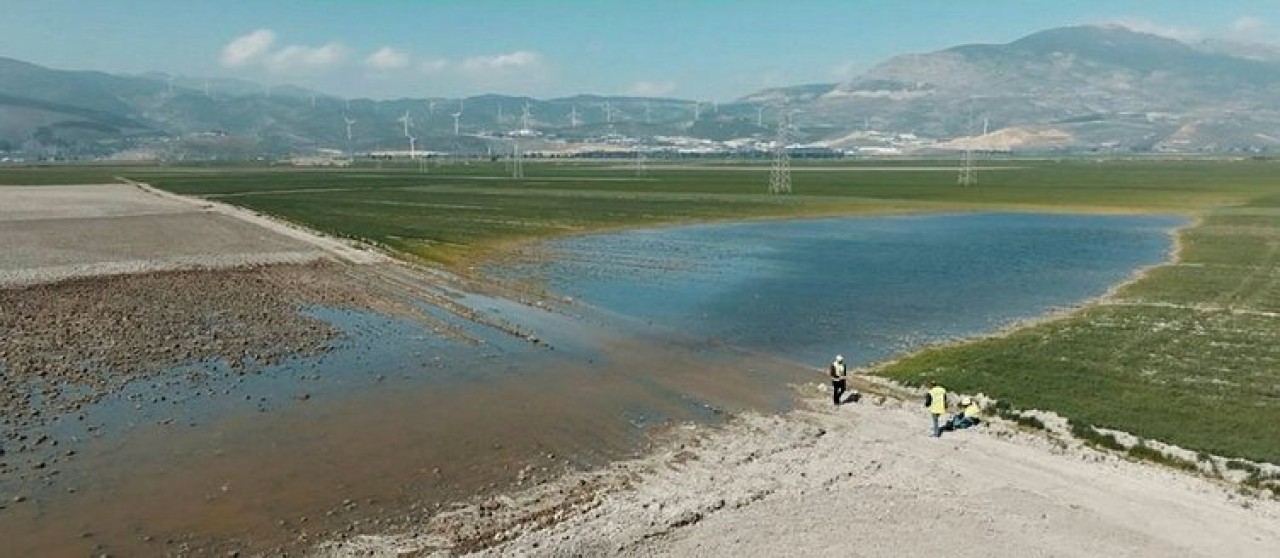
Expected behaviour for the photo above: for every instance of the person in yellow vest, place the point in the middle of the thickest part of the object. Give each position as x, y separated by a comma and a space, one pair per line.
838, 374
968, 415
935, 400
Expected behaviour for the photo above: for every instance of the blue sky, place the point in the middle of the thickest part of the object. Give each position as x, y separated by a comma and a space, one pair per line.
695, 49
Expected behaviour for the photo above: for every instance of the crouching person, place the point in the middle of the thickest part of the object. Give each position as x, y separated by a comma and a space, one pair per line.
969, 414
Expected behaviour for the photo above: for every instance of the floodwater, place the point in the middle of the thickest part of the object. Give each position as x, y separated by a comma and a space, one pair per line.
678, 324
867, 288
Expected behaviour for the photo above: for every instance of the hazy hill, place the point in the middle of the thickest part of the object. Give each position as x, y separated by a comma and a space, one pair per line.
1100, 85
1073, 88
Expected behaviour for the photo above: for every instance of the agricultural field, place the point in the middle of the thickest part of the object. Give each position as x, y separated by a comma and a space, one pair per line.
1186, 354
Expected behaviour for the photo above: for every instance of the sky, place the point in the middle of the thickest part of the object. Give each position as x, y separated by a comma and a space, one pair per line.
711, 50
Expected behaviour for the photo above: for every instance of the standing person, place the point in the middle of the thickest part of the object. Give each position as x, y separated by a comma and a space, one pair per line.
935, 399
838, 376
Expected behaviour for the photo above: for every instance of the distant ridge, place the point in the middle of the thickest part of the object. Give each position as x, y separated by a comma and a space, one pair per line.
1070, 89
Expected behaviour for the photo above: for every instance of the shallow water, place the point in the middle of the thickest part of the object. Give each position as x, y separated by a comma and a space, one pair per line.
689, 323
394, 416
868, 288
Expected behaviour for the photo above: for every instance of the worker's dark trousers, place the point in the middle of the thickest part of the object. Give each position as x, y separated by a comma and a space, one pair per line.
837, 388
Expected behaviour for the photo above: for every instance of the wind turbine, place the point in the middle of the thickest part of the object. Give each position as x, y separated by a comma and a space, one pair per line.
697, 111
457, 117
407, 121
526, 119
349, 122
413, 154
760, 116
573, 116
608, 112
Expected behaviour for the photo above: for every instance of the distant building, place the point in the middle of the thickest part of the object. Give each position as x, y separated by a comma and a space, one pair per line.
320, 160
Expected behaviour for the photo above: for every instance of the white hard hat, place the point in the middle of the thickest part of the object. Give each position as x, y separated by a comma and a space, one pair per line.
839, 358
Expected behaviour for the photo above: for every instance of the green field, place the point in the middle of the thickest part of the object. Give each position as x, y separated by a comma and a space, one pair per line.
1187, 355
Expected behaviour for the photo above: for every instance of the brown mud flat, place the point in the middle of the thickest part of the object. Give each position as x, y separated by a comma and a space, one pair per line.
479, 411
67, 344
168, 386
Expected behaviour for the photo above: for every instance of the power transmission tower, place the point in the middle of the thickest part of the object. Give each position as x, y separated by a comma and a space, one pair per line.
517, 162
780, 174
968, 175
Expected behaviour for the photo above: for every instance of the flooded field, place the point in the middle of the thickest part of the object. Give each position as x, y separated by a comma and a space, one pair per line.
404, 412
869, 288
396, 415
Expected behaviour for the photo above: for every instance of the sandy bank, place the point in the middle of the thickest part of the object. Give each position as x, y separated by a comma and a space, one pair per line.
861, 480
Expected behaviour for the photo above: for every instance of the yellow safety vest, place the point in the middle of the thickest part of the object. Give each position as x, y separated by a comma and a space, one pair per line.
837, 371
938, 400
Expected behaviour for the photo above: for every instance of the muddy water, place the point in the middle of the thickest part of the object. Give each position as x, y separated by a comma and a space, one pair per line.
676, 324
393, 422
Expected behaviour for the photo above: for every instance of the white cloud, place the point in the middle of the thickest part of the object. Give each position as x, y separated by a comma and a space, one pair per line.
510, 72
390, 71
847, 70
1179, 33
387, 58
500, 62
247, 49
651, 88
1248, 29
433, 66
303, 58
255, 50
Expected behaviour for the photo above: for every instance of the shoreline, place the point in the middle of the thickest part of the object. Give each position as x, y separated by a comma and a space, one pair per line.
538, 524
734, 486
1061, 313
483, 511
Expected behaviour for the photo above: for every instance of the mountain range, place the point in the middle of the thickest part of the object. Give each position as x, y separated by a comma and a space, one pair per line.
1071, 89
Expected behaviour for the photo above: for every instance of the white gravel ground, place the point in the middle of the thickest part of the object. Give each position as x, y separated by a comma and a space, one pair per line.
52, 233
865, 480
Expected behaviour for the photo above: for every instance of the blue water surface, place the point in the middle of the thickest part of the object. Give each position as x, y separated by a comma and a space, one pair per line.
869, 288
